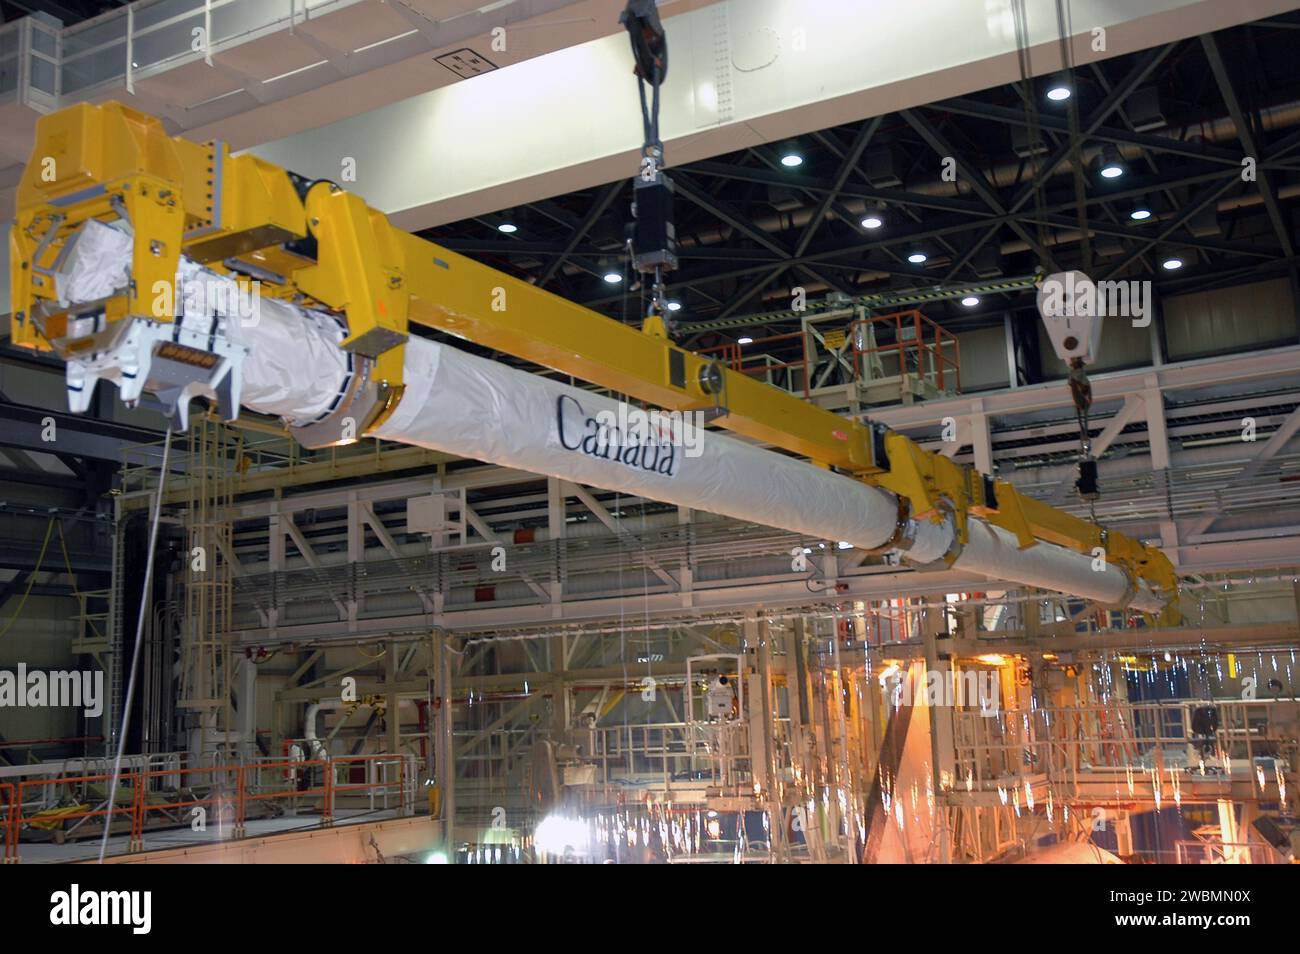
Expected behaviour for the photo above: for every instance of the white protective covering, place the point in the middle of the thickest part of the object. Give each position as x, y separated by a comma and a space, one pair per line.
469, 406
97, 264
294, 369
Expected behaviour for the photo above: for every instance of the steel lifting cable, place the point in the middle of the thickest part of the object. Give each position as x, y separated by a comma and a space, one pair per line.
1080, 389
1020, 17
1065, 29
135, 653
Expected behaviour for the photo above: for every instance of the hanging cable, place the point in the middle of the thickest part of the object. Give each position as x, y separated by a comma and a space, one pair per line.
1020, 17
653, 236
1068, 346
30, 580
1064, 26
135, 653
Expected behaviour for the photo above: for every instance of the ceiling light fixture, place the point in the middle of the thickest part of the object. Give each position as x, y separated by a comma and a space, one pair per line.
1110, 164
790, 155
1058, 88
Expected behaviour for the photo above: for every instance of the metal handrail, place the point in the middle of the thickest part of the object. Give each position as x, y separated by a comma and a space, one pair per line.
248, 788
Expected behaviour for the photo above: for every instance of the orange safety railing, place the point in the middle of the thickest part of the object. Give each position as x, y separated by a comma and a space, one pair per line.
10, 823
228, 796
728, 353
127, 781
379, 784
244, 797
247, 789
926, 345
731, 355
887, 622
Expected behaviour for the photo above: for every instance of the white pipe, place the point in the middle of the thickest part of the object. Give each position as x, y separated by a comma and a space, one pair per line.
315, 747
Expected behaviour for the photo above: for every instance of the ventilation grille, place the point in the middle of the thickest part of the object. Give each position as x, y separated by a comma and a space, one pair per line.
466, 63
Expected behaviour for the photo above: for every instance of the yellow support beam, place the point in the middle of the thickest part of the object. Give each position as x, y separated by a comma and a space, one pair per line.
317, 244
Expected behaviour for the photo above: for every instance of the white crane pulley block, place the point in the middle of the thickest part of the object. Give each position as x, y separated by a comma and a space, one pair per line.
1068, 304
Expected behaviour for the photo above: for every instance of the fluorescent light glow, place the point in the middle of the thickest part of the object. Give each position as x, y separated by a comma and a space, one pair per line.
1170, 264
970, 301
1139, 214
745, 340
872, 222
613, 278
916, 258
507, 227
1112, 171
1058, 94
844, 545
674, 306
792, 159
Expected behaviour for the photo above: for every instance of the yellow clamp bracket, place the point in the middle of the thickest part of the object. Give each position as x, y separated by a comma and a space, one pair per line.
152, 208
359, 270
1008, 514
933, 484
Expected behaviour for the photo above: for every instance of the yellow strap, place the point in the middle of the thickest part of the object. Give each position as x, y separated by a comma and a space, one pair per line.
32, 580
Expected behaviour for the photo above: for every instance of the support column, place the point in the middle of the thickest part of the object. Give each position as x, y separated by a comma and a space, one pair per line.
393, 703
556, 525
247, 727
981, 440
1158, 442
938, 661
445, 751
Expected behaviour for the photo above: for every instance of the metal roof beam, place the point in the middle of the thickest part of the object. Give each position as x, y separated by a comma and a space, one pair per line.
1247, 137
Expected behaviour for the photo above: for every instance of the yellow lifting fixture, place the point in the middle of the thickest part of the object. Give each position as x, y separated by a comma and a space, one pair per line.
315, 244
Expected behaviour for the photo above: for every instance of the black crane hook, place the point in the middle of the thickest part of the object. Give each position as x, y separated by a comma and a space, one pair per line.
649, 44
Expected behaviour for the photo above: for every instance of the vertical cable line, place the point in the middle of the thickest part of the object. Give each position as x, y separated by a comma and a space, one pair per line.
135, 652
1021, 18
1065, 30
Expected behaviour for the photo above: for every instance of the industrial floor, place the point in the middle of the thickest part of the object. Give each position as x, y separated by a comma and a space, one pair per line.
88, 848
